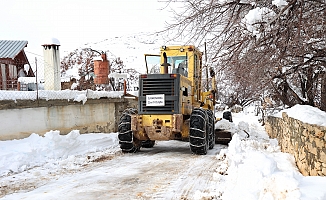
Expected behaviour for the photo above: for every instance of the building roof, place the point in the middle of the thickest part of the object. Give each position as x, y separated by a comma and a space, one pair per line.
11, 48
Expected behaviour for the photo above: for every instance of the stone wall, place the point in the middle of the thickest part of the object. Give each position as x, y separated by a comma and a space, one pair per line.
306, 142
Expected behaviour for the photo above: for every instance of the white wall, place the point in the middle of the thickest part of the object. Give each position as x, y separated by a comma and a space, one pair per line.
20, 123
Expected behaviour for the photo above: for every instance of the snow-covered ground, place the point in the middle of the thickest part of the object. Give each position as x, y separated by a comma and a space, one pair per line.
249, 168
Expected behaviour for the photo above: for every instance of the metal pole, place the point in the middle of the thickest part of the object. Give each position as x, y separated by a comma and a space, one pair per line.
36, 79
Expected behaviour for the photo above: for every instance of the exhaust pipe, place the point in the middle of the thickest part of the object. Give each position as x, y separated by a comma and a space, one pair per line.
165, 64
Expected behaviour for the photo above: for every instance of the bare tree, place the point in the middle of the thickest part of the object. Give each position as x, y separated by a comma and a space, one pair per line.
82, 59
118, 66
261, 46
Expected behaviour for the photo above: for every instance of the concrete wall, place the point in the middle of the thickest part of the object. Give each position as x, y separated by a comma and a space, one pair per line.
306, 142
18, 119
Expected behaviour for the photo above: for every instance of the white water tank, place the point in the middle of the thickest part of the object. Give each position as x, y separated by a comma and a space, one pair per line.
52, 80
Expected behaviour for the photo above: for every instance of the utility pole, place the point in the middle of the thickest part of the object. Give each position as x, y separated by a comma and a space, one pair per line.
36, 79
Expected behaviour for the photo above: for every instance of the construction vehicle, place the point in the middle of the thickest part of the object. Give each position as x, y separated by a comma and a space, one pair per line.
171, 104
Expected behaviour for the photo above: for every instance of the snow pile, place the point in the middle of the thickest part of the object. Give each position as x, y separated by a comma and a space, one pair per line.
66, 151
260, 164
306, 114
225, 125
255, 168
81, 97
242, 128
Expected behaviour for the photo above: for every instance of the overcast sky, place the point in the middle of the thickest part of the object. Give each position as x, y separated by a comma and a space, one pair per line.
76, 22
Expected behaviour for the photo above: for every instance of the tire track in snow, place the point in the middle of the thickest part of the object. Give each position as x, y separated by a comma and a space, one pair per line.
167, 171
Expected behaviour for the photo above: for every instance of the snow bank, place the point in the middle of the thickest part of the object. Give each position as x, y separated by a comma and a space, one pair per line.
306, 114
255, 168
53, 148
260, 164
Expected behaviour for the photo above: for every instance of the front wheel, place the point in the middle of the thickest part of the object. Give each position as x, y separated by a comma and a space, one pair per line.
210, 128
198, 136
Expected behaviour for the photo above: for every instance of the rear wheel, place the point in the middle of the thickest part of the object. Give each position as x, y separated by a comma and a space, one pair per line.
210, 125
198, 136
128, 143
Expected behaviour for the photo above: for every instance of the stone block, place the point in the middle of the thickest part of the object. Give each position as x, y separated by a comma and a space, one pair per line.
304, 172
302, 154
304, 132
324, 171
319, 143
323, 157
319, 173
318, 166
319, 134
313, 172
314, 151
296, 146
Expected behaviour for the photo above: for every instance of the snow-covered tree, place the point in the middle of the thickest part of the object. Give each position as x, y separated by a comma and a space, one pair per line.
79, 65
275, 48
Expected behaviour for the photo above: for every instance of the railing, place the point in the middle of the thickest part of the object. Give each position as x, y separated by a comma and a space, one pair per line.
9, 85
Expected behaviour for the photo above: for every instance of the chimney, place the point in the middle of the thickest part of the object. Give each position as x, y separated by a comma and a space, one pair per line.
52, 80
101, 69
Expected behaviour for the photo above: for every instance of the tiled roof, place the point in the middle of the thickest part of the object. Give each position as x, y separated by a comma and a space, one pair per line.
11, 48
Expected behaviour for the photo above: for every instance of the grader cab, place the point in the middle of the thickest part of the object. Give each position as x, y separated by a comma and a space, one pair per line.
171, 104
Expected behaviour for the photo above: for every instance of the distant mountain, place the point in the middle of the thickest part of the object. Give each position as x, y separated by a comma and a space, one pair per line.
130, 48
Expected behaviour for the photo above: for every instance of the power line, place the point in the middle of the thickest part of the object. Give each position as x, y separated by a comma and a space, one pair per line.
33, 53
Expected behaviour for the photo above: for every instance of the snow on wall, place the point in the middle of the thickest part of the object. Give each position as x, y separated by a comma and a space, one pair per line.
305, 113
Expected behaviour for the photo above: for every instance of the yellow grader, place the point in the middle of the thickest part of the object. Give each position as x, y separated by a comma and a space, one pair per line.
171, 104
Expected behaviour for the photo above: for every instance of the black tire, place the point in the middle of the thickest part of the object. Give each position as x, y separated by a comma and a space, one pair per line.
198, 137
211, 125
148, 143
128, 143
228, 116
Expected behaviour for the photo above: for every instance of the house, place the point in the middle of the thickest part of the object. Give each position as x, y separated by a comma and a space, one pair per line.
13, 64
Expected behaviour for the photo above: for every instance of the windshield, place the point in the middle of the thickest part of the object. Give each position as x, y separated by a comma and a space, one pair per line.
178, 61
178, 64
152, 64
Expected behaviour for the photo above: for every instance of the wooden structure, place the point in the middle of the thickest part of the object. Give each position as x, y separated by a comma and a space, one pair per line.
12, 64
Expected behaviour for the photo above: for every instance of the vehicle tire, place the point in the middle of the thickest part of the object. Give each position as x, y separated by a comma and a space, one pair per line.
210, 125
198, 137
128, 143
228, 116
148, 143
